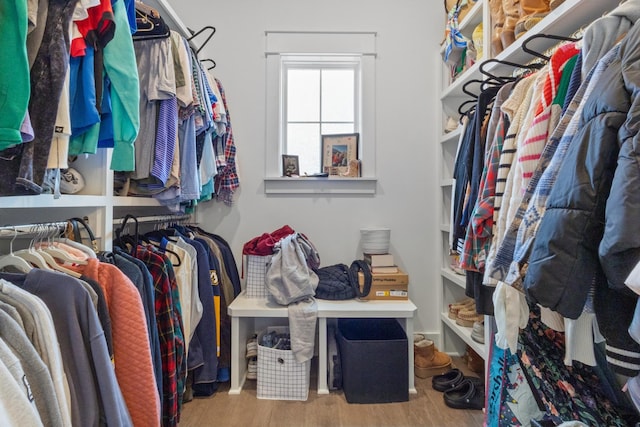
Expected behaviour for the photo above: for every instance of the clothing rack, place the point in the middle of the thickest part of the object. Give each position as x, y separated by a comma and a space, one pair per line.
13, 231
157, 219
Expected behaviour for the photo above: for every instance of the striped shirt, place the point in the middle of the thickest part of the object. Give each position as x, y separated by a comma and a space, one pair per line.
515, 107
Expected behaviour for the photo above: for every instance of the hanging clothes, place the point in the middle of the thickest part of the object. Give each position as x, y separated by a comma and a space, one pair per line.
132, 353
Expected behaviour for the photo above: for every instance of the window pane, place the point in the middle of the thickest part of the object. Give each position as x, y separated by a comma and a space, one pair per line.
333, 128
337, 95
303, 140
303, 96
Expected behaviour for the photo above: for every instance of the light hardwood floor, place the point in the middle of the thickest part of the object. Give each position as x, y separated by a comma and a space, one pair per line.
426, 408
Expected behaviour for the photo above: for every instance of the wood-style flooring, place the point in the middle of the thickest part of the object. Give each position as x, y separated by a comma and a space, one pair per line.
426, 408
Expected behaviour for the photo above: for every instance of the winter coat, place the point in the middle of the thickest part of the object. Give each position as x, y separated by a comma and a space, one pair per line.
590, 233
564, 259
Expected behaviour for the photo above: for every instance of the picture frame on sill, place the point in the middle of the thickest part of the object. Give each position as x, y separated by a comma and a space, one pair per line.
338, 151
290, 165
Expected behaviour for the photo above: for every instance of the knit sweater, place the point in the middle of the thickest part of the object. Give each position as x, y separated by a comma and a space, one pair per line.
132, 354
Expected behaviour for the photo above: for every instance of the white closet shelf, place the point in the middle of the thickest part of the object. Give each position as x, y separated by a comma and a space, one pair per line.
47, 201
472, 19
464, 333
451, 136
135, 201
458, 279
567, 17
570, 17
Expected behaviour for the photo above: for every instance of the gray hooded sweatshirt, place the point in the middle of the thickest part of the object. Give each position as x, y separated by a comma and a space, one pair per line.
291, 282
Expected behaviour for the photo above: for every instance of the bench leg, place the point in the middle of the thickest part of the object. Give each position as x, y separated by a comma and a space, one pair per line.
322, 356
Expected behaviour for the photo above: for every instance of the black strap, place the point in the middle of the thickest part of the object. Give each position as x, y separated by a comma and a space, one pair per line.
77, 235
356, 267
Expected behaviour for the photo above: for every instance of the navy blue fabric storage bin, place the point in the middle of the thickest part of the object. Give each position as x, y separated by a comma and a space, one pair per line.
374, 358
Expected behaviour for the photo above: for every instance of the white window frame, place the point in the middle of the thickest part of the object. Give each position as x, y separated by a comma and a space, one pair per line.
285, 45
314, 62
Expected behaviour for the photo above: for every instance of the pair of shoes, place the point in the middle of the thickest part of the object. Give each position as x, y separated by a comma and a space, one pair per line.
460, 305
71, 181
466, 395
531, 12
252, 369
428, 360
451, 379
477, 333
252, 346
468, 316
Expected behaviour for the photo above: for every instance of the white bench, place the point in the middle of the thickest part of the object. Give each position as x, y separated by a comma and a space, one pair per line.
243, 312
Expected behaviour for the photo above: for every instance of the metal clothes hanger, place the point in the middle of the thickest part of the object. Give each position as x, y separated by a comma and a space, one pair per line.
200, 31
213, 63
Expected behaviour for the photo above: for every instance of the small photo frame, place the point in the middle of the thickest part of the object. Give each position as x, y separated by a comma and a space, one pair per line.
290, 165
338, 151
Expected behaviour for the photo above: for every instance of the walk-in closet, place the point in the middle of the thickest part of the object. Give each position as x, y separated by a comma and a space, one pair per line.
349, 214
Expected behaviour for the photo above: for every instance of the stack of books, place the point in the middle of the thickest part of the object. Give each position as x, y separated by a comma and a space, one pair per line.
388, 281
381, 263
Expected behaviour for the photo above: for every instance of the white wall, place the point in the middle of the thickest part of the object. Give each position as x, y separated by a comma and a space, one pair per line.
407, 200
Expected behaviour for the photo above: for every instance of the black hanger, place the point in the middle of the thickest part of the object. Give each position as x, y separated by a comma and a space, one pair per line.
469, 82
532, 66
150, 26
465, 112
121, 240
200, 31
212, 62
160, 234
161, 249
537, 54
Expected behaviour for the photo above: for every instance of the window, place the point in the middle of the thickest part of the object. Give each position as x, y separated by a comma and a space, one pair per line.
318, 83
321, 95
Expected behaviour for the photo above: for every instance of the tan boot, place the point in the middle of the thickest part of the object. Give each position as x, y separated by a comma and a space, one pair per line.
429, 361
531, 12
497, 22
475, 363
511, 9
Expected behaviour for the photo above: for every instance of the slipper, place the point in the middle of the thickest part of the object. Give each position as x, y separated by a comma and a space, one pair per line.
451, 379
448, 380
466, 395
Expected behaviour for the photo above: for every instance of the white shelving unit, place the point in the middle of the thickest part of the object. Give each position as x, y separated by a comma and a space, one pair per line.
96, 200
569, 17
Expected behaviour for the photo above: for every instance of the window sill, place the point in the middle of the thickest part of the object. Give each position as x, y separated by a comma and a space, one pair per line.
328, 186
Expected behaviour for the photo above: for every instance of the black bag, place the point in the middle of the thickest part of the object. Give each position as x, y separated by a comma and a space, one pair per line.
339, 282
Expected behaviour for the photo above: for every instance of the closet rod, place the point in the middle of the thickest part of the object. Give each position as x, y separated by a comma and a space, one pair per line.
158, 218
22, 229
